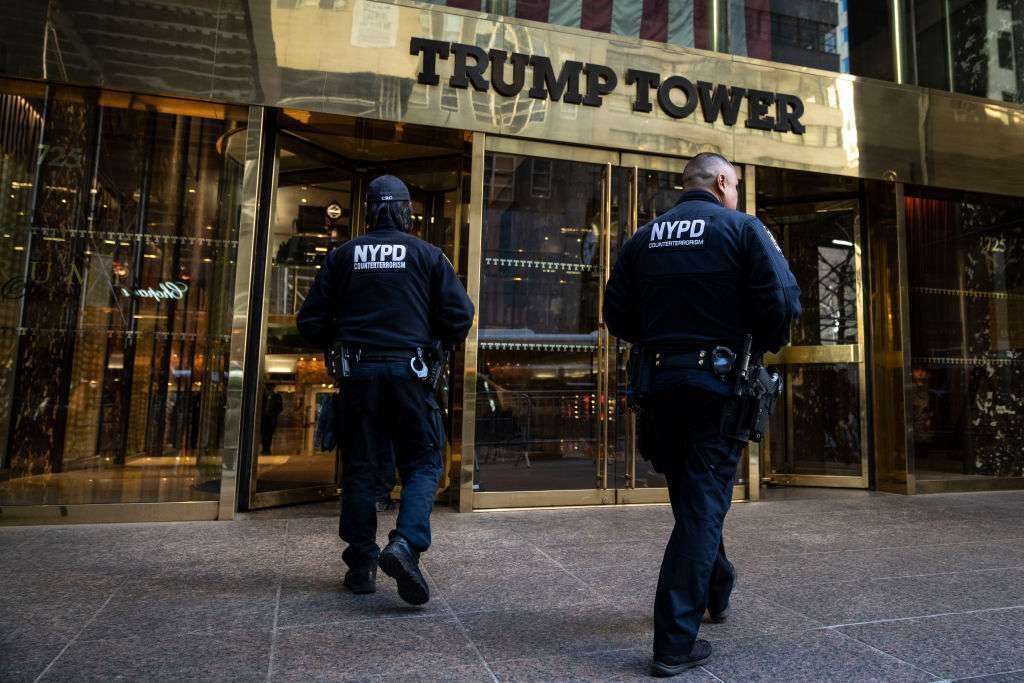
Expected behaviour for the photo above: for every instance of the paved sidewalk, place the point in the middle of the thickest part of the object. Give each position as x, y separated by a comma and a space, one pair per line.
833, 585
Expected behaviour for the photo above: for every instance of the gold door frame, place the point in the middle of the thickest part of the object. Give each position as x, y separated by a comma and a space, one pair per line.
489, 500
828, 354
302, 494
601, 494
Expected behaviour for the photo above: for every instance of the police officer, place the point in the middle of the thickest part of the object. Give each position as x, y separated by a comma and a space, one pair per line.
697, 277
381, 300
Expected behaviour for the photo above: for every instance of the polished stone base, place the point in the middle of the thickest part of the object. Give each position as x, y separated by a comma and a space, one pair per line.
833, 585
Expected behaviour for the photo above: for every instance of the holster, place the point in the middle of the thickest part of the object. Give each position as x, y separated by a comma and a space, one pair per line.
337, 360
639, 376
438, 359
746, 414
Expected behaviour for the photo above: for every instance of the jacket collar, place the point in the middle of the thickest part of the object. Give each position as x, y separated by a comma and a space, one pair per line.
698, 195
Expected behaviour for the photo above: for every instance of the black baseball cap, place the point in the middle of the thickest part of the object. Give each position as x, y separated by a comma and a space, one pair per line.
386, 188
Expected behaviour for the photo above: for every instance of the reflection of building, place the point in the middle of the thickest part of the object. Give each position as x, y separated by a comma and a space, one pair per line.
972, 46
1006, 61
200, 163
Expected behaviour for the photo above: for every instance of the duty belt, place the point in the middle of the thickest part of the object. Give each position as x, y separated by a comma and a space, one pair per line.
382, 355
696, 360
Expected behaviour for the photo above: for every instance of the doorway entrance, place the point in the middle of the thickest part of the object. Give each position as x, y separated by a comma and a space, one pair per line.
819, 433
323, 163
552, 426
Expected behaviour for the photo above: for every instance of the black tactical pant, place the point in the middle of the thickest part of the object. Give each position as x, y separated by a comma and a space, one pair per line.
384, 407
679, 435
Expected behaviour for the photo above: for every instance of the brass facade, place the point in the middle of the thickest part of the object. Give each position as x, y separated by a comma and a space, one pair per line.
889, 332
331, 60
353, 58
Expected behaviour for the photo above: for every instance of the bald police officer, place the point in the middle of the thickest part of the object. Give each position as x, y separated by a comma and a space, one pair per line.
688, 285
379, 303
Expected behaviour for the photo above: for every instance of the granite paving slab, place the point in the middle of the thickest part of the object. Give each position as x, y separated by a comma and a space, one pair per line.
833, 585
951, 646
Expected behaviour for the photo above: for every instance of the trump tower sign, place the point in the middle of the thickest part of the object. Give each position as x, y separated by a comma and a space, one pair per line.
587, 84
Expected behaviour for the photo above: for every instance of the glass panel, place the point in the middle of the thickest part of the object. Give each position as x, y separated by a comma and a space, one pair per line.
849, 37
816, 429
324, 162
118, 258
819, 244
975, 45
538, 413
966, 272
296, 384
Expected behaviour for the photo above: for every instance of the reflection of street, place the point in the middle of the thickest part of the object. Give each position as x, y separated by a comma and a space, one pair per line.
289, 470
536, 436
143, 479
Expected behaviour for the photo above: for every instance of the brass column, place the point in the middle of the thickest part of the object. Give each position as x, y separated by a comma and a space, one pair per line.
474, 249
753, 449
889, 337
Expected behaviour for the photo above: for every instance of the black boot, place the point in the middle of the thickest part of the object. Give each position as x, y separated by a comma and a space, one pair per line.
664, 666
401, 562
717, 617
361, 582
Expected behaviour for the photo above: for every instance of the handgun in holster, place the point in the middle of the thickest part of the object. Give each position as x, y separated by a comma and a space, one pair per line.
339, 358
438, 359
755, 392
639, 377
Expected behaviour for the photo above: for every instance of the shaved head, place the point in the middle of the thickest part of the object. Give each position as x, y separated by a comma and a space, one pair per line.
712, 172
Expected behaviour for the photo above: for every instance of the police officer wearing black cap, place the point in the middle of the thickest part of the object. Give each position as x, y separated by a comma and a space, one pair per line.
379, 304
686, 290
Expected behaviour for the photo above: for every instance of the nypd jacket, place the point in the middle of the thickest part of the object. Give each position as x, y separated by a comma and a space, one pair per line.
701, 275
387, 290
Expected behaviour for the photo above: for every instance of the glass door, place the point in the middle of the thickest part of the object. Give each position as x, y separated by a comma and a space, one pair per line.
818, 435
323, 165
552, 425
543, 401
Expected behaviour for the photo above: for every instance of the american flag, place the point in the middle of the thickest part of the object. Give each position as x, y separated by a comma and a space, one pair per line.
678, 22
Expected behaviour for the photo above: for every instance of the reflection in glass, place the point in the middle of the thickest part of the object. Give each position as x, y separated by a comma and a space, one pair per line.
681, 22
538, 412
117, 262
966, 272
836, 35
819, 244
816, 429
975, 47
